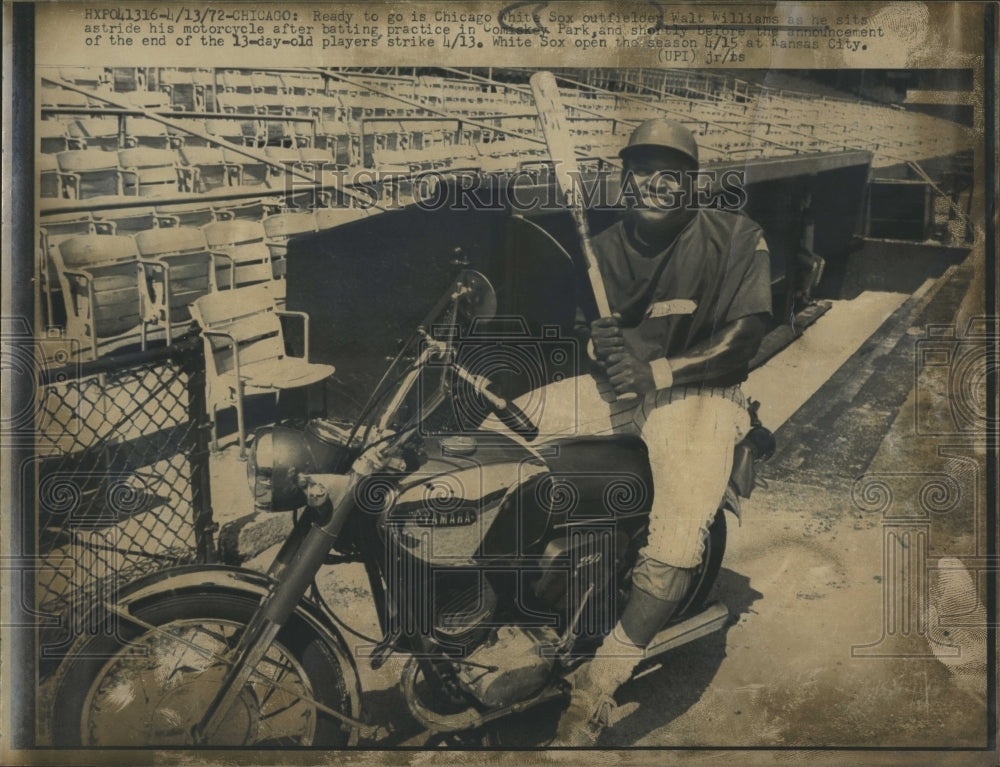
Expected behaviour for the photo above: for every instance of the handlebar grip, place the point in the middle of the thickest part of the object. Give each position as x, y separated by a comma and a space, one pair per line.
517, 421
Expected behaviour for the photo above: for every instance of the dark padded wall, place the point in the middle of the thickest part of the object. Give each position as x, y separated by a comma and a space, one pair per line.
368, 284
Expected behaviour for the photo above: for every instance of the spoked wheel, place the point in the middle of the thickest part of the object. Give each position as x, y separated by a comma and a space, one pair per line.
150, 684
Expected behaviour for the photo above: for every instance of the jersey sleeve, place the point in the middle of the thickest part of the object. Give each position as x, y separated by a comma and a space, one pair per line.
753, 295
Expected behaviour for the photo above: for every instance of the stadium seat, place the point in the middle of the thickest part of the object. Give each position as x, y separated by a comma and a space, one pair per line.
61, 97
146, 132
185, 214
302, 84
253, 131
279, 229
179, 137
126, 220
53, 135
49, 182
245, 242
99, 276
212, 169
300, 133
316, 158
180, 88
267, 82
95, 133
245, 351
179, 268
287, 156
144, 99
93, 78
234, 81
278, 132
247, 208
86, 173
303, 105
55, 228
150, 172
248, 171
234, 130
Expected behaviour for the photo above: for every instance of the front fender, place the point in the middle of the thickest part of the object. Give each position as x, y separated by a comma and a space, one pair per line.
201, 578
192, 577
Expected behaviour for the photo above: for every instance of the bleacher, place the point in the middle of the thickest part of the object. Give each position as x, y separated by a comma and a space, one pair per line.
230, 163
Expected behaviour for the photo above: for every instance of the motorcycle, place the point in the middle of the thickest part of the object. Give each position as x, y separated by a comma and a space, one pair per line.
497, 562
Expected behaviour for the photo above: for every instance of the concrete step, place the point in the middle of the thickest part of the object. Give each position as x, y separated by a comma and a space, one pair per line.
838, 430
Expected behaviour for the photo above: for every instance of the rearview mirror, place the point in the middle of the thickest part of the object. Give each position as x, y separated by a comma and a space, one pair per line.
475, 295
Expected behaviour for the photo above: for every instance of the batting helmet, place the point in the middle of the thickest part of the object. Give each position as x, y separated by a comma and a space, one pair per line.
664, 134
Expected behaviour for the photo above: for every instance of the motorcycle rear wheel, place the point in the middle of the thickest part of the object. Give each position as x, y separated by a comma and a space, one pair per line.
148, 687
707, 572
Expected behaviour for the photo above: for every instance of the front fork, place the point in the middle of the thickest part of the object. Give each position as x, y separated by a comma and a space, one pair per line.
294, 569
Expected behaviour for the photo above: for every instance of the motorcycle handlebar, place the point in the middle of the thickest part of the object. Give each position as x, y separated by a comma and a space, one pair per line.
510, 415
517, 421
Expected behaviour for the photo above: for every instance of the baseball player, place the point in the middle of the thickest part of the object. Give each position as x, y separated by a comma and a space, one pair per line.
689, 288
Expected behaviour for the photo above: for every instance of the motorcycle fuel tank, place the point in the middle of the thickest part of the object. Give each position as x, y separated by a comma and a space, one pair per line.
485, 496
442, 512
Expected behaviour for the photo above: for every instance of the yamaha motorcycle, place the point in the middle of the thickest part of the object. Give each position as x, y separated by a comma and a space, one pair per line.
497, 563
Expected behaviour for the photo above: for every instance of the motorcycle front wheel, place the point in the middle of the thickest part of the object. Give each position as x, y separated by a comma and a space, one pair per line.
149, 683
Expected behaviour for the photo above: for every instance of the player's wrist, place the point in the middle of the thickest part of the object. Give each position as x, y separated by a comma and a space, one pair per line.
663, 375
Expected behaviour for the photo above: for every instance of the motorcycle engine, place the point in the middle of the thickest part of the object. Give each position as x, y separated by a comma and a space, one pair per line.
511, 666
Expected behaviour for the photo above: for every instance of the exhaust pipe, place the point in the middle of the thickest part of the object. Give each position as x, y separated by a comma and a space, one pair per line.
712, 618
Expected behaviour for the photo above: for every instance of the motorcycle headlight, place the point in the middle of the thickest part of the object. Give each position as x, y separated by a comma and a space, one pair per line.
279, 454
277, 457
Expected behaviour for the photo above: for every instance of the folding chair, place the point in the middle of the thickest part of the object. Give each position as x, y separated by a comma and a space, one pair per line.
245, 351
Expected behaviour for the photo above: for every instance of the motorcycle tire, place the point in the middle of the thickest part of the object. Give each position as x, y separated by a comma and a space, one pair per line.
104, 697
708, 571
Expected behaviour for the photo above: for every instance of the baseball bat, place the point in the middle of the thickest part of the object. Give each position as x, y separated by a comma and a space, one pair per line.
563, 152
561, 148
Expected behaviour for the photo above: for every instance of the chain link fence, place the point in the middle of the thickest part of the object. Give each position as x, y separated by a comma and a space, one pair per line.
122, 478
